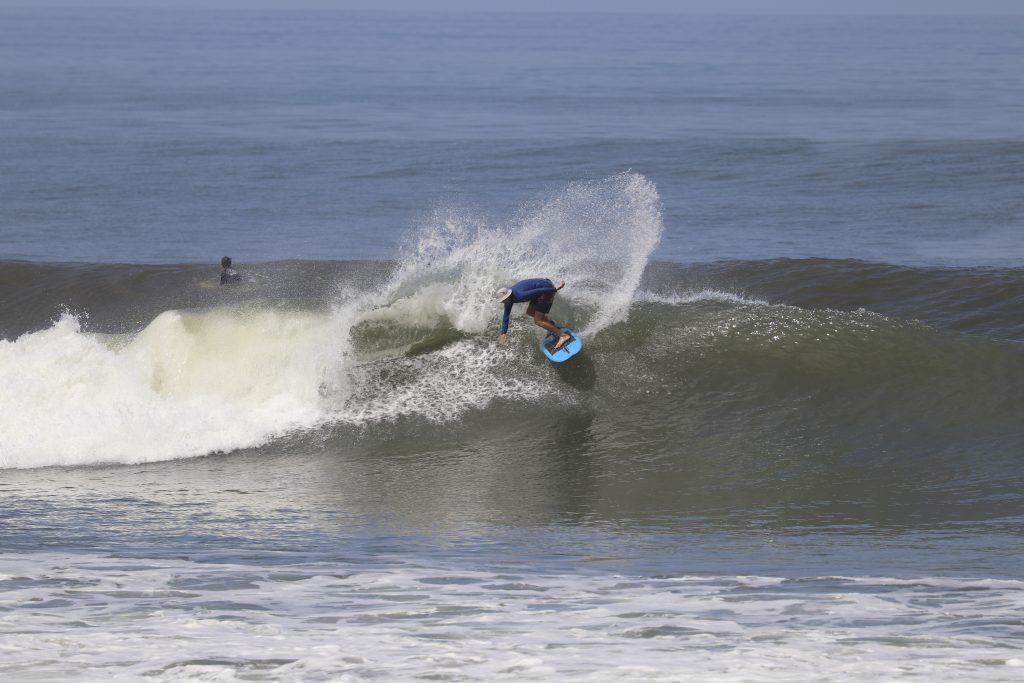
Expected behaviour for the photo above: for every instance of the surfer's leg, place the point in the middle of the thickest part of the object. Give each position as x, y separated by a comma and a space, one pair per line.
538, 310
542, 320
548, 324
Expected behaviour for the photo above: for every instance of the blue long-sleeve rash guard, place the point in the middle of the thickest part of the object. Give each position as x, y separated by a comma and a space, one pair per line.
526, 290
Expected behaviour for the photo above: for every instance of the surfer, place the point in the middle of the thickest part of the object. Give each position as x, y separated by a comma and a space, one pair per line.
540, 292
227, 273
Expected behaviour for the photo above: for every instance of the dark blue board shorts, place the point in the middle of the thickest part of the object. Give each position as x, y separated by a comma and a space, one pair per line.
543, 303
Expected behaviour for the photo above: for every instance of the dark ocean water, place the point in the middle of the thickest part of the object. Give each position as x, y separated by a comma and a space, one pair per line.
791, 448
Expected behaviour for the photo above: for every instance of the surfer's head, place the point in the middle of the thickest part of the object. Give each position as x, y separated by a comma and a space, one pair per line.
502, 294
225, 262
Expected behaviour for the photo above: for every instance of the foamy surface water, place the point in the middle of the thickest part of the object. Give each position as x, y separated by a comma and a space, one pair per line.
99, 617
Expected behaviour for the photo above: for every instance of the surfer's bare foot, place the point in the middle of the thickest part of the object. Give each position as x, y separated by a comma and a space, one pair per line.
562, 341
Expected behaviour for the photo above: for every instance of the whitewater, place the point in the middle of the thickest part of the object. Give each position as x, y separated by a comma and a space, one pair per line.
409, 622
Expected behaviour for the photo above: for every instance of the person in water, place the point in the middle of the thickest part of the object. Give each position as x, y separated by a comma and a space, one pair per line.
540, 293
227, 273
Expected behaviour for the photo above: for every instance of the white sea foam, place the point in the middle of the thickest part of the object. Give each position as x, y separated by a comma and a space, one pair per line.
76, 617
646, 296
443, 385
188, 384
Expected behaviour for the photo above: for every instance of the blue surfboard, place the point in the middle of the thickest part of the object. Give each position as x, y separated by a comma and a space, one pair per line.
571, 348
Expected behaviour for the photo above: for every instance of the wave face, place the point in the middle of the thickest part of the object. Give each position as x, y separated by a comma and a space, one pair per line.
803, 367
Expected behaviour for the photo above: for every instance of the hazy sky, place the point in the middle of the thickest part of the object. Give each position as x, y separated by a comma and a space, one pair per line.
920, 7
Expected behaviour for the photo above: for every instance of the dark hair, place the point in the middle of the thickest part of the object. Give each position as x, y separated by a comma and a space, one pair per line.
225, 262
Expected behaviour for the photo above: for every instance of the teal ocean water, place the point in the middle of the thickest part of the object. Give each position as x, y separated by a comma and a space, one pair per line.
790, 450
